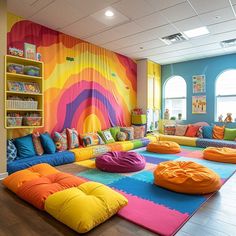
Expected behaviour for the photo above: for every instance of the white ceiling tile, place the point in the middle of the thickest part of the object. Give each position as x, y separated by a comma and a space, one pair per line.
128, 29
191, 23
84, 27
179, 12
222, 27
88, 7
26, 8
134, 8
160, 4
152, 21
217, 16
118, 18
103, 37
56, 15
202, 6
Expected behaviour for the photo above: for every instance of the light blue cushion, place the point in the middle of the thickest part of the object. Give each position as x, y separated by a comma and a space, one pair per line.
11, 151
25, 146
47, 143
207, 132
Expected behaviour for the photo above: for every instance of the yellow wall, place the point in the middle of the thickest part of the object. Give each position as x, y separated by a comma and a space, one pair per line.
3, 43
154, 85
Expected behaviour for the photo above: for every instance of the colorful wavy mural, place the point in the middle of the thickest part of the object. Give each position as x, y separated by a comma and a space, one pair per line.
95, 90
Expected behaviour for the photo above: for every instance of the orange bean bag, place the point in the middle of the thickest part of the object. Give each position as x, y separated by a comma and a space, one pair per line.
186, 177
224, 154
36, 191
164, 147
15, 180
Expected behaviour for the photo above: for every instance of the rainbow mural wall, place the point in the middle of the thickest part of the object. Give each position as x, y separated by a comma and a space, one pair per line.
94, 91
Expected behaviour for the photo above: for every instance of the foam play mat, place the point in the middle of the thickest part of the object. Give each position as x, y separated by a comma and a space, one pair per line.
157, 209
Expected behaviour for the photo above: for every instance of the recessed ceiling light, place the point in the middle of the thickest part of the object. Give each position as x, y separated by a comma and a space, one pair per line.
196, 32
109, 13
228, 43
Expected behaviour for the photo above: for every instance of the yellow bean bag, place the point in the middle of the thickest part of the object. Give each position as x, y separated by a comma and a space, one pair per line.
84, 207
164, 147
224, 154
186, 177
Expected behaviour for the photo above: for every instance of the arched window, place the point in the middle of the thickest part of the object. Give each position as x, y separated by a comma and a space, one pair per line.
226, 94
175, 93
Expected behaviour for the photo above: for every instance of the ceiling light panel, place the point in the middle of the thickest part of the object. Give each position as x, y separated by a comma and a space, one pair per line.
196, 32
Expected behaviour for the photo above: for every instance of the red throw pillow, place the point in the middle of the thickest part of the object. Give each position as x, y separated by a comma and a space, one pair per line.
192, 131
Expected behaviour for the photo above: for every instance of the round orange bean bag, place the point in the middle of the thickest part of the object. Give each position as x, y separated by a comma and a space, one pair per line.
224, 154
164, 147
186, 177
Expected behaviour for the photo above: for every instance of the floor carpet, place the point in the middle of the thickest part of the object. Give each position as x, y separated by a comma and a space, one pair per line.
157, 209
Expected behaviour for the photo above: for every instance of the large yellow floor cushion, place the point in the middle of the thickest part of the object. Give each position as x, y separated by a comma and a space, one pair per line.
84, 207
186, 177
15, 180
224, 154
164, 147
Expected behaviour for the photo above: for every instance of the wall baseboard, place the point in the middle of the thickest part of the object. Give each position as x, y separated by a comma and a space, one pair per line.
3, 175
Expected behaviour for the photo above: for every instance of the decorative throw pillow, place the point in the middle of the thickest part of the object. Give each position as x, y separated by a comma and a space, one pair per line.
60, 140
169, 129
129, 131
121, 136
25, 146
37, 144
139, 131
230, 134
90, 139
72, 138
180, 130
218, 132
106, 136
192, 131
207, 132
11, 151
114, 131
47, 143
200, 132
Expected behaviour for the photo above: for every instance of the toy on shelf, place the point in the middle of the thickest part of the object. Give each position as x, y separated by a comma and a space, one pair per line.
14, 119
220, 118
31, 87
32, 70
16, 52
15, 68
166, 114
16, 86
228, 118
32, 119
137, 111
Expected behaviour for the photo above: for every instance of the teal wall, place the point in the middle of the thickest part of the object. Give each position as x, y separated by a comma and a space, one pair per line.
211, 68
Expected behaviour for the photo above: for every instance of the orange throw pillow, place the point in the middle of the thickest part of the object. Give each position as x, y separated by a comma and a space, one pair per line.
186, 177
218, 132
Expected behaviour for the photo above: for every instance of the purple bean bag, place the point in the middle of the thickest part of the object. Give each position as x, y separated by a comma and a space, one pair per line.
120, 162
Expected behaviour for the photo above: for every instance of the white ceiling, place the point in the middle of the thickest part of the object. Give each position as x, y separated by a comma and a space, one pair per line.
137, 25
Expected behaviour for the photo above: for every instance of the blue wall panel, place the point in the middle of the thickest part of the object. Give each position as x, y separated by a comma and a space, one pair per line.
211, 68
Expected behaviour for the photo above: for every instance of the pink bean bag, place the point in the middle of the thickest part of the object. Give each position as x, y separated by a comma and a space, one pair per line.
120, 162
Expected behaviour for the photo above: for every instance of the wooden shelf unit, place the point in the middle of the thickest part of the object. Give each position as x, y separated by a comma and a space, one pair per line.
39, 97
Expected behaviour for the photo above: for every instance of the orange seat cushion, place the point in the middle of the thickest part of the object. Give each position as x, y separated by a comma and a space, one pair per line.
15, 180
36, 191
218, 132
224, 154
186, 177
164, 147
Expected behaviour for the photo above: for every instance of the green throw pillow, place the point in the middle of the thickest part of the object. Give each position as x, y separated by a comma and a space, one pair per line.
114, 131
230, 134
106, 136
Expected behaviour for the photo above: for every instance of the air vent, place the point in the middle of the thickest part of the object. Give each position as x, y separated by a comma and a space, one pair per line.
228, 43
174, 38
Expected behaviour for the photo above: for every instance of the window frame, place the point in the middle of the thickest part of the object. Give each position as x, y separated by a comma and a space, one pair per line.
174, 98
221, 96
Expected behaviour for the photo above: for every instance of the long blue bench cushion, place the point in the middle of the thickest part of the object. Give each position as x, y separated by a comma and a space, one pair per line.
55, 159
215, 143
